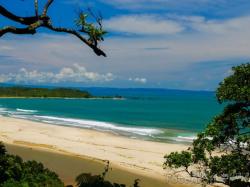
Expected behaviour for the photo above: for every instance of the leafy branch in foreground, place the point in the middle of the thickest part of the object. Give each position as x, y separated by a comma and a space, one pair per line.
222, 152
93, 32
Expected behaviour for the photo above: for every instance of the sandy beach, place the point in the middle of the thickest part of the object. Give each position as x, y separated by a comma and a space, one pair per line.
125, 154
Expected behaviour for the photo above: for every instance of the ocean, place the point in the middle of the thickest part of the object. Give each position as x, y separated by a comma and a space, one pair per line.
150, 114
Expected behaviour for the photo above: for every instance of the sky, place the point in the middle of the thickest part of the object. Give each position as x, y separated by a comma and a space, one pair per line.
184, 44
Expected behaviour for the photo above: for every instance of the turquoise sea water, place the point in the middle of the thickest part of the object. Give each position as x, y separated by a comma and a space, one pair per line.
161, 115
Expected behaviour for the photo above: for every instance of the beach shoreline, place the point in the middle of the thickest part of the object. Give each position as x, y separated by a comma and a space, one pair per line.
127, 154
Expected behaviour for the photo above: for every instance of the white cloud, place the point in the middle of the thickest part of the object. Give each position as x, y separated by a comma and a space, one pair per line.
181, 5
151, 56
6, 47
175, 24
67, 74
139, 80
222, 27
138, 4
143, 24
212, 26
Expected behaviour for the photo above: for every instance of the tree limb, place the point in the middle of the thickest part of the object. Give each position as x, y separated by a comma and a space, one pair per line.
36, 8
97, 51
46, 7
43, 20
13, 17
15, 30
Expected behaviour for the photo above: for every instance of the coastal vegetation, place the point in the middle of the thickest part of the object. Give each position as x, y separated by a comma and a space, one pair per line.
16, 172
221, 154
43, 92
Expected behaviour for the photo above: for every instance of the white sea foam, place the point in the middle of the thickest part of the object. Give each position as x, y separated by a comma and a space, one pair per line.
3, 109
91, 124
185, 138
24, 110
98, 125
20, 116
15, 112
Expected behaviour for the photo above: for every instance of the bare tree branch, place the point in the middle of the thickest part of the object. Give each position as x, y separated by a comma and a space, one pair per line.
46, 7
36, 8
34, 22
23, 20
15, 30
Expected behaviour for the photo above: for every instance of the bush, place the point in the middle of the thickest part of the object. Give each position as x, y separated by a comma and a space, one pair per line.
15, 172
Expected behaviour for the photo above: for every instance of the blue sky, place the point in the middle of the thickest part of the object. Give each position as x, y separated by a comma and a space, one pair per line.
184, 44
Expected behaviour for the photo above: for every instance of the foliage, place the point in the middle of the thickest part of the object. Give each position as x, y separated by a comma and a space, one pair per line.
2, 150
236, 87
95, 32
15, 172
222, 150
43, 92
88, 180
177, 160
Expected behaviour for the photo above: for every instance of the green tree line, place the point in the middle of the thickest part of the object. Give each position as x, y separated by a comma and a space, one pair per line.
43, 92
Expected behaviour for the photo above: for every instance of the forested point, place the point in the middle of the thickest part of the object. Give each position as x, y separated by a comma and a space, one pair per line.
43, 92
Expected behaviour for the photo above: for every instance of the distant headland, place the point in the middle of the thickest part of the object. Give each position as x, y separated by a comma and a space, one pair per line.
28, 92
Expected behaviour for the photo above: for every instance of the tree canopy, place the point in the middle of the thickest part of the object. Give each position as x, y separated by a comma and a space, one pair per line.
222, 152
15, 172
89, 33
